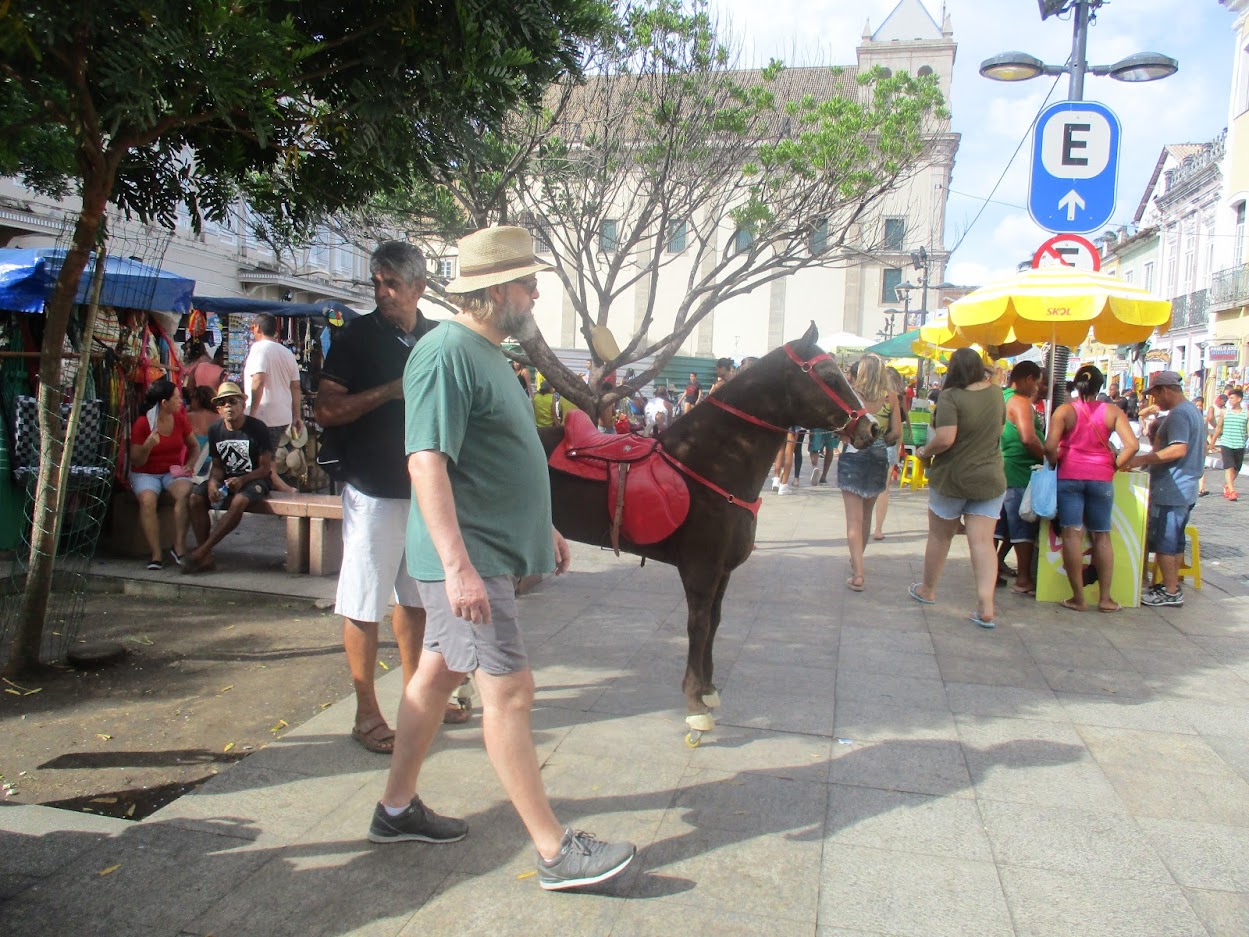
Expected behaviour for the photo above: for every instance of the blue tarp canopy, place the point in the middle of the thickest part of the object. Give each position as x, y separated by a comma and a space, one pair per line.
226, 305
28, 277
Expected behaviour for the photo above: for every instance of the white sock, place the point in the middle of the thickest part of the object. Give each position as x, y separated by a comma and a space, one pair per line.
393, 811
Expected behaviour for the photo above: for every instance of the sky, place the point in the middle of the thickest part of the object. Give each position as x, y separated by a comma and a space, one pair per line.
993, 117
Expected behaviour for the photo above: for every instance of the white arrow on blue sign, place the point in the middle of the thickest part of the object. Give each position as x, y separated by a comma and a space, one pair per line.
1075, 164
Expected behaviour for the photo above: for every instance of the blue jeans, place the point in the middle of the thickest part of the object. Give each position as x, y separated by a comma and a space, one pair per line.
1085, 503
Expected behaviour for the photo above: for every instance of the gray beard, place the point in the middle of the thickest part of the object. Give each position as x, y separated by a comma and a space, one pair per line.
515, 323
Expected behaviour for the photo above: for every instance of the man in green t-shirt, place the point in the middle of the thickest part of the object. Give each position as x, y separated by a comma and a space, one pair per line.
480, 519
1022, 448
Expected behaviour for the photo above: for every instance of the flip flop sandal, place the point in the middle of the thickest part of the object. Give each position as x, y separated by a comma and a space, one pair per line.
458, 712
380, 739
851, 585
914, 590
987, 623
1067, 604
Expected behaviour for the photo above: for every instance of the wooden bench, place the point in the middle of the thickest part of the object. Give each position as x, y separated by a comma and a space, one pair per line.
314, 528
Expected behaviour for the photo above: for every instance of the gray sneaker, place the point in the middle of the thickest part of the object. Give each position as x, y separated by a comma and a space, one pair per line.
583, 860
1159, 596
417, 822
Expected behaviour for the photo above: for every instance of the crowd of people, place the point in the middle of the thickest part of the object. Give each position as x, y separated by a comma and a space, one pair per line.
987, 441
421, 423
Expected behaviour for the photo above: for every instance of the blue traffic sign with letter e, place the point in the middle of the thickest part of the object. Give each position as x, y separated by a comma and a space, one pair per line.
1075, 164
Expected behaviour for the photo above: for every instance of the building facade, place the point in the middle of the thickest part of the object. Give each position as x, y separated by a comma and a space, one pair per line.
855, 295
223, 259
1227, 355
1183, 201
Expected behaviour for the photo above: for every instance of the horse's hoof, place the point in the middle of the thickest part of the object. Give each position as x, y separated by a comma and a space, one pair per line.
693, 739
701, 722
712, 699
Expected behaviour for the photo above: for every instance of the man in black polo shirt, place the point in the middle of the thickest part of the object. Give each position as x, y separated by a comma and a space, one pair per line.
360, 400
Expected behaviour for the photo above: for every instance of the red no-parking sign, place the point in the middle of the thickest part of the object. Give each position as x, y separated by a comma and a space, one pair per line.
1068, 250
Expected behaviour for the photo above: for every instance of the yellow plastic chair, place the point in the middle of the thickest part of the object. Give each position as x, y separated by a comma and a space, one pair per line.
912, 473
1188, 566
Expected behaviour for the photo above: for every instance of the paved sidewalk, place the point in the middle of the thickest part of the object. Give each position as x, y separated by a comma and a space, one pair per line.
879, 768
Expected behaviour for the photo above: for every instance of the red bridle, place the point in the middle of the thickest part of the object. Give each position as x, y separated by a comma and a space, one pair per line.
808, 367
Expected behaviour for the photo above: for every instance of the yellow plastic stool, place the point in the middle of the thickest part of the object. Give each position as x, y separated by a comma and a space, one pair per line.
1193, 567
913, 473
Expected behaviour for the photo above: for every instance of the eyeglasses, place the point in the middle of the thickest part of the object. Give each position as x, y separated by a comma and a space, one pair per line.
229, 402
529, 284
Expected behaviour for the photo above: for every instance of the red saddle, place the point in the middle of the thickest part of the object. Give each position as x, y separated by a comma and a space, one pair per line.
647, 498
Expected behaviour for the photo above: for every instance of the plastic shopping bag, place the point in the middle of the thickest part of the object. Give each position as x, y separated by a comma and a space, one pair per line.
1043, 490
1025, 505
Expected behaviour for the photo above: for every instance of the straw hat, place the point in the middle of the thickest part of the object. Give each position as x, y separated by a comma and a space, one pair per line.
227, 389
493, 256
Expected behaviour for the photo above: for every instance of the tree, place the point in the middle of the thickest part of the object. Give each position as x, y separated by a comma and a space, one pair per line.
759, 178
305, 108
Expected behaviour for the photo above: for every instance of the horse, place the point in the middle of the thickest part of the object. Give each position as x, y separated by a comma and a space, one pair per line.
722, 452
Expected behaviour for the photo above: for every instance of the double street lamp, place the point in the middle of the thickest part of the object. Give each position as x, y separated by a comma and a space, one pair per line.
1020, 66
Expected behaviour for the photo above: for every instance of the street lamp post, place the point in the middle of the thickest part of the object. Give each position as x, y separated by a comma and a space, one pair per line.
1020, 66
903, 292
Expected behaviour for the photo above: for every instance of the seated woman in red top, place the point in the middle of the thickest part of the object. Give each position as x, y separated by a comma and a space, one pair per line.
1079, 442
162, 458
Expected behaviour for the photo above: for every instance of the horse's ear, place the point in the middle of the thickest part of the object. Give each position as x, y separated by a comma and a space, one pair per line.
812, 334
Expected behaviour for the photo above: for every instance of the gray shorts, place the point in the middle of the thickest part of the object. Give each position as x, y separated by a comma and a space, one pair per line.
496, 648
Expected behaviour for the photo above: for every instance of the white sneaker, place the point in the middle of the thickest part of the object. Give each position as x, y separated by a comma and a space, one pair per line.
776, 483
784, 489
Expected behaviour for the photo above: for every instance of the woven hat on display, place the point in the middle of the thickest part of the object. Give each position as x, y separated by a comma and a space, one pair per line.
493, 256
295, 463
300, 439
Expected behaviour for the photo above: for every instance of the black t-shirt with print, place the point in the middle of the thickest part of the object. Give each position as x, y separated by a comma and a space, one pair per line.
238, 450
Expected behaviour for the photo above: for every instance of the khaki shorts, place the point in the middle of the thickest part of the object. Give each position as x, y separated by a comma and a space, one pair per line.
496, 648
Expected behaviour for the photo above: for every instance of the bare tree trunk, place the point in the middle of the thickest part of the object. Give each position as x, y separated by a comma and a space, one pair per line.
49, 496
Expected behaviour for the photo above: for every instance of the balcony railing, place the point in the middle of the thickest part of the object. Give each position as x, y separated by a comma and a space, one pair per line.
1191, 310
1230, 287
1179, 312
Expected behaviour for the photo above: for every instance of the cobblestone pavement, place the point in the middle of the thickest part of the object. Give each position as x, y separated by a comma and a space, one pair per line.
1224, 529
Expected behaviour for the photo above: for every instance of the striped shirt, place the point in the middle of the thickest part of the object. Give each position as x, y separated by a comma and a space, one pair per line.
1234, 429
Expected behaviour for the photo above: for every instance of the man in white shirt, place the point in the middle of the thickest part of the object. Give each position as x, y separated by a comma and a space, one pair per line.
271, 381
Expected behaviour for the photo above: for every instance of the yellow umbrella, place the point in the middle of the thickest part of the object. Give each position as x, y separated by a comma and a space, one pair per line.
1060, 305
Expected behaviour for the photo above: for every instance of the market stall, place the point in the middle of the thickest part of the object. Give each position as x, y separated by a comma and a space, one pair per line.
307, 329
1061, 306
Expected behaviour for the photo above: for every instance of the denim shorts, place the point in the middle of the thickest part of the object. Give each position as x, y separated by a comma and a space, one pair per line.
864, 472
145, 481
1085, 503
1165, 532
1010, 526
951, 509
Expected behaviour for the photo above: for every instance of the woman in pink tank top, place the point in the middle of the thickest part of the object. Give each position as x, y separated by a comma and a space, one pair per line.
1078, 441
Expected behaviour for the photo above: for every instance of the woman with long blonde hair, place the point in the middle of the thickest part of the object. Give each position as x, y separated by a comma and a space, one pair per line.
862, 474
897, 384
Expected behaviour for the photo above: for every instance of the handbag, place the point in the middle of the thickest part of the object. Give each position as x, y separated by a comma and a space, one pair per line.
1042, 493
